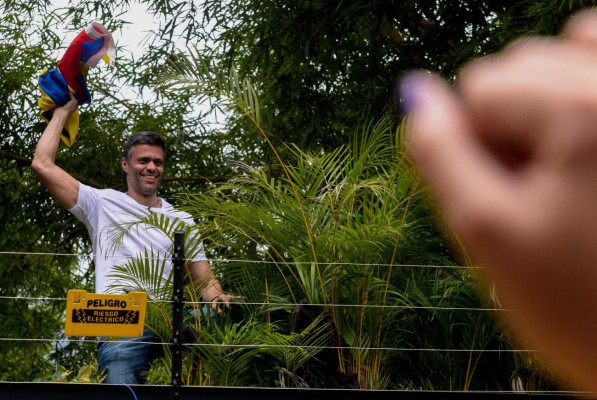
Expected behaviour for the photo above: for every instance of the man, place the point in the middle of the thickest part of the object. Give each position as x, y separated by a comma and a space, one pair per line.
107, 213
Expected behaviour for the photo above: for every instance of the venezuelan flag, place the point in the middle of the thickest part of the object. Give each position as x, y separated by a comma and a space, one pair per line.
93, 44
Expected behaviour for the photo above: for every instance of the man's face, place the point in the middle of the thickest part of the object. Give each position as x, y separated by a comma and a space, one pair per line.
144, 169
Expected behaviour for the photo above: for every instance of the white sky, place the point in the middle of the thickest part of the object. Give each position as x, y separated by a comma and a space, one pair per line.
132, 35
129, 41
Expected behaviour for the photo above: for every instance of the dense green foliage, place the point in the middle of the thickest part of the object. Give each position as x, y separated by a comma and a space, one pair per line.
321, 71
345, 236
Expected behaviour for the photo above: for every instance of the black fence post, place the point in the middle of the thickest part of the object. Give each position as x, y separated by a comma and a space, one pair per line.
177, 312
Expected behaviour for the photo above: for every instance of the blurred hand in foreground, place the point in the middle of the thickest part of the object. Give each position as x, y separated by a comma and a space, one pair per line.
511, 154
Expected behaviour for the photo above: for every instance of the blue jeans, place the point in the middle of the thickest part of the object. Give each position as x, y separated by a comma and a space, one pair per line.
125, 360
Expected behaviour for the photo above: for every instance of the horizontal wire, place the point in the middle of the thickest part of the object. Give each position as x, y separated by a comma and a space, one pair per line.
434, 308
140, 257
355, 305
352, 348
35, 253
331, 305
285, 346
32, 298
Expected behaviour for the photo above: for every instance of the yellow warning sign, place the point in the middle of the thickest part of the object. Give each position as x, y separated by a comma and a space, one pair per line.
94, 314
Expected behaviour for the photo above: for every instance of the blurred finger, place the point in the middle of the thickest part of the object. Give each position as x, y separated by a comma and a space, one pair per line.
582, 27
515, 99
214, 302
466, 178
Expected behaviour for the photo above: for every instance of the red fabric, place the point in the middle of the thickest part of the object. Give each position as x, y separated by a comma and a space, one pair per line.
70, 64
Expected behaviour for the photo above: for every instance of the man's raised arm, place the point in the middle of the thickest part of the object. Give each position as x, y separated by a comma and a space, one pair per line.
63, 187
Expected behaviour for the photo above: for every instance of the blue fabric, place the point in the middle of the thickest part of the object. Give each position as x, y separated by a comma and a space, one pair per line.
54, 85
126, 360
92, 44
91, 48
206, 315
85, 97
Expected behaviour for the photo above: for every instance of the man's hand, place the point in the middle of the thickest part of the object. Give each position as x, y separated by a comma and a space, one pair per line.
211, 290
221, 298
68, 108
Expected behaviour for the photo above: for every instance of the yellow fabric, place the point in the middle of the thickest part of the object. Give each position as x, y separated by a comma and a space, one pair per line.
69, 133
95, 42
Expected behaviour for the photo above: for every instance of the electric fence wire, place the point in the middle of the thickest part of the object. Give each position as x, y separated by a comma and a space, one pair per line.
263, 304
264, 262
271, 304
286, 305
289, 346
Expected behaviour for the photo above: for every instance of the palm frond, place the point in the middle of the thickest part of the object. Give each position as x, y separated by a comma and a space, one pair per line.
145, 273
194, 74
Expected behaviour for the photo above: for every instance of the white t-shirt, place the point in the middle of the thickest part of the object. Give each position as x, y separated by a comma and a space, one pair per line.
112, 220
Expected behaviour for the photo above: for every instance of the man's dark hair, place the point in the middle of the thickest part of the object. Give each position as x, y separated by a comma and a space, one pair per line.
143, 137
